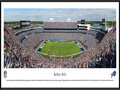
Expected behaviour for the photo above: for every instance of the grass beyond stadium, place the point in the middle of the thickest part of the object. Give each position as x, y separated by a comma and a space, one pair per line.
53, 50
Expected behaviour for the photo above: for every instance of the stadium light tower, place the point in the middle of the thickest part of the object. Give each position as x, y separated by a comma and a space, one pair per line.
68, 19
51, 19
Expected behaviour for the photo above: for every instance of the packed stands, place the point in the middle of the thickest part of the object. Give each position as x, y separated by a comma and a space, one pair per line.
22, 55
60, 25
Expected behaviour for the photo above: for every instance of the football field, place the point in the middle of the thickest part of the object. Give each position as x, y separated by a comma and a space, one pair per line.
61, 48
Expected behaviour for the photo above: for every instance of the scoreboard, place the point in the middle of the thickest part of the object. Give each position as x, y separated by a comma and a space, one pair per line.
24, 23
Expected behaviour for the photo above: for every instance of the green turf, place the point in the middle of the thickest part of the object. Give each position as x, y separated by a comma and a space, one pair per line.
61, 48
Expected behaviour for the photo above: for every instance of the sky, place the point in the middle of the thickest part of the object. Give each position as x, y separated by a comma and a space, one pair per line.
59, 14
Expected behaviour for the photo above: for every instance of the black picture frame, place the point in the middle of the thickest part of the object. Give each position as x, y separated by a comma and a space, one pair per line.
61, 1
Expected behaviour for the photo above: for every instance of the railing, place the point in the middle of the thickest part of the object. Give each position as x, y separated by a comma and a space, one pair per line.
24, 30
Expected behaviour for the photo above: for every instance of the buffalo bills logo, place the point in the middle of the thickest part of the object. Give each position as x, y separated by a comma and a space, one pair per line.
5, 74
113, 74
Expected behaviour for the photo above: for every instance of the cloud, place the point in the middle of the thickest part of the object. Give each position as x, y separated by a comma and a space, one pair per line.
60, 14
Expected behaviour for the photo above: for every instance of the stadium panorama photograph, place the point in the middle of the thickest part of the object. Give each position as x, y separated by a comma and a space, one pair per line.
59, 38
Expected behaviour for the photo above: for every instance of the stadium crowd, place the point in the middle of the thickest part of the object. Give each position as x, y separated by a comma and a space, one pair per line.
104, 55
22, 55
60, 25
